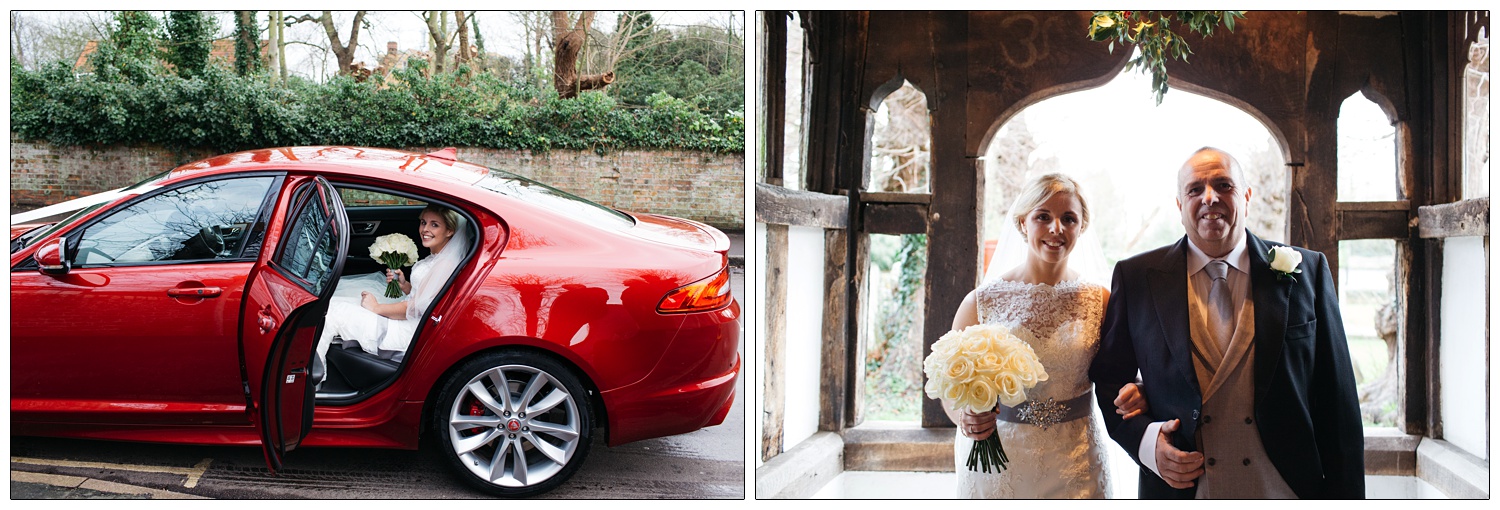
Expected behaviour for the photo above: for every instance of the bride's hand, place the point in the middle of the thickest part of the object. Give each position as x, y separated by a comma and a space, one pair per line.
1130, 403
977, 426
395, 274
367, 300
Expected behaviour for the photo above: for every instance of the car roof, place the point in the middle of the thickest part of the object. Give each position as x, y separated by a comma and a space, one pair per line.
386, 163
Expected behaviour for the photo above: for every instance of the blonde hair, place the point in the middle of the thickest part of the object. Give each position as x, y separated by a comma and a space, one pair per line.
449, 216
1040, 190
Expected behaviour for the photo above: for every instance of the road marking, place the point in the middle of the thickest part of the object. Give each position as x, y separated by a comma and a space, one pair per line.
78, 482
193, 474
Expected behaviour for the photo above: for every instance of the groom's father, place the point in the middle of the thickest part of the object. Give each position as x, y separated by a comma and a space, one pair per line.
1242, 353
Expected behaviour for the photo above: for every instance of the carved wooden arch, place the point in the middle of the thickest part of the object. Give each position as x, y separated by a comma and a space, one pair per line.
884, 90
1044, 94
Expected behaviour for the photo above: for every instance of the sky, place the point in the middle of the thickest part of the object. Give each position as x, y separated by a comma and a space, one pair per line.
501, 33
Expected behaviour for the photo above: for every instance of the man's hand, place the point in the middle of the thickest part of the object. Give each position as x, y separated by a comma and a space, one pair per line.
1176, 467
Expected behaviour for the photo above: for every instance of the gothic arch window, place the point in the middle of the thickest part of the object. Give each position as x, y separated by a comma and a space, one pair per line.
1125, 151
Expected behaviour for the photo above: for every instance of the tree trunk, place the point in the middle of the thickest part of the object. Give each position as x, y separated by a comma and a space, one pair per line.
463, 39
344, 53
567, 44
437, 37
273, 33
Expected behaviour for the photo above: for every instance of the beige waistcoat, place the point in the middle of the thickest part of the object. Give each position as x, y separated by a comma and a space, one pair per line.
1235, 463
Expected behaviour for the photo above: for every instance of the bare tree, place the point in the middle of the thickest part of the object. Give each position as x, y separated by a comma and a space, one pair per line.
344, 53
17, 25
535, 28
464, 53
567, 45
437, 38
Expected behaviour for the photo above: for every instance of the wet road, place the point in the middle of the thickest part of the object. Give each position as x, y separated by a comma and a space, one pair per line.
706, 464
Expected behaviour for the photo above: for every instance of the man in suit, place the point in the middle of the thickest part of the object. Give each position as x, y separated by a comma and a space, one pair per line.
1245, 368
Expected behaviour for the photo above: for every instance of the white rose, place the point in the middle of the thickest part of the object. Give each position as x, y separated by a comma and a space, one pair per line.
1285, 259
1011, 392
980, 396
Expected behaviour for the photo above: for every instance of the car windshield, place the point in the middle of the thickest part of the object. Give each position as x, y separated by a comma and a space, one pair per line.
38, 233
533, 192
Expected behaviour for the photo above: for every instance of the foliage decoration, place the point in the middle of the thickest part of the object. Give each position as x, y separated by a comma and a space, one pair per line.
1151, 32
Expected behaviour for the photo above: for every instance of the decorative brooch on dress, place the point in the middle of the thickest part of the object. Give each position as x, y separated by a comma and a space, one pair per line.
1042, 413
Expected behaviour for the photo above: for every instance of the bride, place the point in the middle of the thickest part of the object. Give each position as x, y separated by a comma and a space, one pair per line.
1062, 458
380, 326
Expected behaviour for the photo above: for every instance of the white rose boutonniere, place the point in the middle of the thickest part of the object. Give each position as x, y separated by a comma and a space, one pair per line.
1284, 261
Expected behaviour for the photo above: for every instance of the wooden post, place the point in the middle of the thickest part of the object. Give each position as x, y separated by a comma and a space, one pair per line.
774, 379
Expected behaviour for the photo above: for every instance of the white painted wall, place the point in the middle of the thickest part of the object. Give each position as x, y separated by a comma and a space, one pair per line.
804, 333
1464, 370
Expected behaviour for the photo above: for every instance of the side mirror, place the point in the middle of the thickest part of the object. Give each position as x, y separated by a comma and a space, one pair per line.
50, 257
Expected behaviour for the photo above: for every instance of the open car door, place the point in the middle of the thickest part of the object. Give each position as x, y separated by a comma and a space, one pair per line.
285, 303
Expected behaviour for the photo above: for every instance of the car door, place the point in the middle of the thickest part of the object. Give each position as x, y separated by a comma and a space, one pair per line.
285, 303
141, 326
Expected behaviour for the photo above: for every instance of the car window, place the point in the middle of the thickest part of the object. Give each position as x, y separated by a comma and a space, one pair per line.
534, 192
311, 241
202, 221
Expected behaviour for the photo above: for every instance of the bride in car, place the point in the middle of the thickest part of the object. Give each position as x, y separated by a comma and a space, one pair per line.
384, 329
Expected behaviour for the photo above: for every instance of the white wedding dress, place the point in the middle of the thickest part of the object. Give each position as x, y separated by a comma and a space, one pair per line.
354, 326
1067, 459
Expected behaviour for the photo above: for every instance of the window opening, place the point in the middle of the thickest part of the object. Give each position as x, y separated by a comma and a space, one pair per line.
1367, 152
793, 137
1125, 152
1477, 118
1371, 309
901, 143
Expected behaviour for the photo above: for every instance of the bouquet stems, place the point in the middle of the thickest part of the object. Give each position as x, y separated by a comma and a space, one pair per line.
393, 288
987, 452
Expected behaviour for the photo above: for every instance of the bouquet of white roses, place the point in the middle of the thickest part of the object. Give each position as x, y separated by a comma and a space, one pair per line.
395, 251
973, 368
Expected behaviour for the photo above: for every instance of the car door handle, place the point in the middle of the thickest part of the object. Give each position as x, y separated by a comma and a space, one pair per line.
266, 323
198, 292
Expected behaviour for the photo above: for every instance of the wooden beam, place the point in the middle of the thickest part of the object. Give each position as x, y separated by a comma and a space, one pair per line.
773, 394
895, 198
895, 218
1458, 219
1374, 220
773, 92
776, 205
833, 390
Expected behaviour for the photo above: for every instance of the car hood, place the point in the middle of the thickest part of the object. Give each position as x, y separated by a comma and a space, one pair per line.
679, 232
60, 210
17, 230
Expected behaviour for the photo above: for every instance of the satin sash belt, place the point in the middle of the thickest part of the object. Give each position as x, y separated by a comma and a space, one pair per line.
1046, 413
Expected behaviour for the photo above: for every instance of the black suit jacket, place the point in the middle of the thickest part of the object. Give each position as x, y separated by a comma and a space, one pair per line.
1306, 407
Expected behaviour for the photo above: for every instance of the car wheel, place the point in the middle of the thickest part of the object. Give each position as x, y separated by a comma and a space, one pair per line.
513, 424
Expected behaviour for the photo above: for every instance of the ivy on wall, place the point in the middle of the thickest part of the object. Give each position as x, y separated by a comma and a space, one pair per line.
220, 110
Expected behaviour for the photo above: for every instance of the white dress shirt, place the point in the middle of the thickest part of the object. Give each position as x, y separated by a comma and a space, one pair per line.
1238, 279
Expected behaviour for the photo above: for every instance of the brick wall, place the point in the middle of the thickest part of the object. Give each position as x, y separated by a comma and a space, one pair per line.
700, 186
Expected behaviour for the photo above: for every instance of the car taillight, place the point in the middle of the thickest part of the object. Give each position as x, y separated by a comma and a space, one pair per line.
703, 295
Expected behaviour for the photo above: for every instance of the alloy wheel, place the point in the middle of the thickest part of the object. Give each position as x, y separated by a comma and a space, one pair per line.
515, 426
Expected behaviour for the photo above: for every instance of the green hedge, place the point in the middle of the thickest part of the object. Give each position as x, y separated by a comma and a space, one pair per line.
226, 112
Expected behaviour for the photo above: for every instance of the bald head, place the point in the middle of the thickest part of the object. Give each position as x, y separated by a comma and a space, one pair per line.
1213, 197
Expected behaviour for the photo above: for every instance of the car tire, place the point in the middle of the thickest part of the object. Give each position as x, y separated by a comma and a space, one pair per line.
520, 442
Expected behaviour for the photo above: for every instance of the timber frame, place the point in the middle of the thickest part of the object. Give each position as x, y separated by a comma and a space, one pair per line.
1289, 70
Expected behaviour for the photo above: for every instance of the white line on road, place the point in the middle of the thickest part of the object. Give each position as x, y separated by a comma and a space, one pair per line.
79, 482
193, 474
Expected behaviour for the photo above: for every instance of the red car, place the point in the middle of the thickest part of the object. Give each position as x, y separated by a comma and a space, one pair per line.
185, 309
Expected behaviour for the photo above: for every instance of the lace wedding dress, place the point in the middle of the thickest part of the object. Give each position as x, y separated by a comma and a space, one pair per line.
1065, 460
